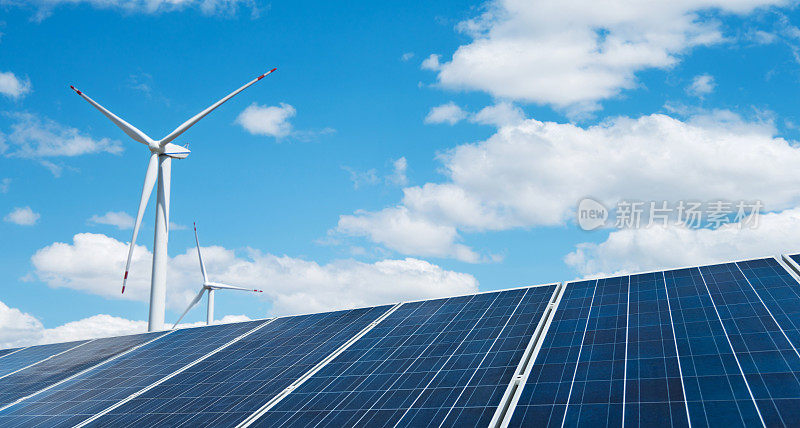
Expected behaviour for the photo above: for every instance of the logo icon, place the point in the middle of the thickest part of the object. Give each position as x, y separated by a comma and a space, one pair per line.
591, 214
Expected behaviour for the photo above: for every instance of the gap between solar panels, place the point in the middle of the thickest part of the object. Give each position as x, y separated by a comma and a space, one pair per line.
275, 400
175, 373
505, 409
790, 266
80, 372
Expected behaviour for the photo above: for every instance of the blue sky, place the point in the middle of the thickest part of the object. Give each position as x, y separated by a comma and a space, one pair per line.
368, 171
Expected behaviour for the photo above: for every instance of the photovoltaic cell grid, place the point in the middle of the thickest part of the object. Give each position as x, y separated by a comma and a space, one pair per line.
60, 367
232, 384
544, 397
711, 345
73, 401
4, 352
769, 362
33, 354
653, 388
442, 362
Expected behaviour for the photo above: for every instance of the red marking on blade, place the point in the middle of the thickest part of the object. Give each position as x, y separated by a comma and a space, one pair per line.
261, 77
273, 69
73, 88
126, 275
123, 289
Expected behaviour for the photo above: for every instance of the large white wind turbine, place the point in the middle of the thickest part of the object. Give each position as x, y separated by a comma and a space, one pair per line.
162, 153
210, 287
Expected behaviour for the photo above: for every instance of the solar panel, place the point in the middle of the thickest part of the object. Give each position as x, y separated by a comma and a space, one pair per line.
234, 383
62, 366
77, 399
701, 345
32, 355
779, 292
444, 361
4, 352
763, 353
653, 388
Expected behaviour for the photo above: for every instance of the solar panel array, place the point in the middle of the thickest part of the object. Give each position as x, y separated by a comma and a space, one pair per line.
711, 345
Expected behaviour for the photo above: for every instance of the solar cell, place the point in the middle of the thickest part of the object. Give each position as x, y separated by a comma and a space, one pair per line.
544, 397
435, 362
71, 402
653, 389
234, 383
779, 292
4, 352
769, 362
32, 355
62, 366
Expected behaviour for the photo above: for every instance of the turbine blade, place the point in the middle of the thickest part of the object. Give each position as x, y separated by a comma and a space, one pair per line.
124, 126
222, 286
186, 125
200, 256
147, 188
191, 305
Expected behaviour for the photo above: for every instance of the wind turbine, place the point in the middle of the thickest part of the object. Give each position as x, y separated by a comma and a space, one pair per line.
208, 286
161, 154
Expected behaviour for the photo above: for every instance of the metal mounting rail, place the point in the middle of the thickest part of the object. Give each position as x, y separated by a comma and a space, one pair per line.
173, 374
276, 399
502, 416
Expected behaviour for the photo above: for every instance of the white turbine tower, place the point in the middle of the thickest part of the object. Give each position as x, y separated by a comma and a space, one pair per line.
161, 154
210, 287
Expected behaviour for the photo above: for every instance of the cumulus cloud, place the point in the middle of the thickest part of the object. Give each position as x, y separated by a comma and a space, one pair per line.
499, 115
449, 113
119, 219
33, 137
23, 216
271, 121
5, 185
634, 250
534, 173
702, 85
12, 86
19, 328
93, 263
572, 54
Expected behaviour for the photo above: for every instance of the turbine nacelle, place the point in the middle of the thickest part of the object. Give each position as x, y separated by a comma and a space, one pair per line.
173, 150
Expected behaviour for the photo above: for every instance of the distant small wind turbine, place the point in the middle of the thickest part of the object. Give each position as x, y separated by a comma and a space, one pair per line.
161, 154
210, 286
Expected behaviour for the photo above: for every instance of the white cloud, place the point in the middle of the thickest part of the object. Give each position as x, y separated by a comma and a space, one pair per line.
23, 216
12, 86
33, 137
93, 263
499, 115
431, 63
207, 7
635, 250
272, 121
407, 56
534, 173
572, 54
401, 230
119, 219
18, 328
449, 113
702, 85
398, 176
5, 185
